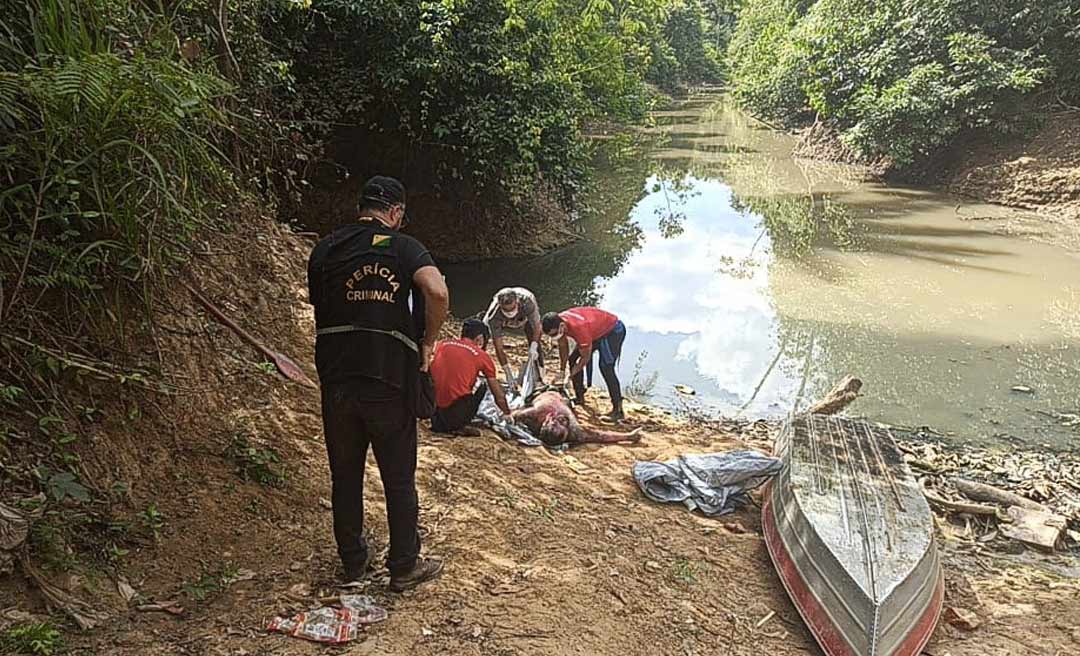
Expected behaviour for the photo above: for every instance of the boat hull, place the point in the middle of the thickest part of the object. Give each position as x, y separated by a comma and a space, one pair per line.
853, 546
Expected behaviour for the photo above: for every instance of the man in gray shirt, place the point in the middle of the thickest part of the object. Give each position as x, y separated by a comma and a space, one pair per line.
514, 308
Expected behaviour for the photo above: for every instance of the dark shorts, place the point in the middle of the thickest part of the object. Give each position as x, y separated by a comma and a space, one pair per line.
610, 345
460, 413
609, 350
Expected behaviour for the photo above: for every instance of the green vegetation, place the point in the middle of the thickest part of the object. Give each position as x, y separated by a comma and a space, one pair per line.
110, 157
507, 500
641, 385
902, 79
490, 96
152, 520
255, 463
545, 511
685, 571
41, 639
210, 584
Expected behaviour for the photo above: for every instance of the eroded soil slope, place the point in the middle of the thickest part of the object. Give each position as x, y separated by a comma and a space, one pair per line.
1041, 172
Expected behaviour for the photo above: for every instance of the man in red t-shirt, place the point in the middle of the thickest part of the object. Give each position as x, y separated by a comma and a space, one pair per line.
454, 369
593, 330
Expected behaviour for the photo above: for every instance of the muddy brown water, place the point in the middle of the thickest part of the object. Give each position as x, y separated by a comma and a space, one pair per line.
759, 279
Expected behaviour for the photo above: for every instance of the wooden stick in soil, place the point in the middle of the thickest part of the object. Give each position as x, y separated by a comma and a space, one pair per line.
282, 362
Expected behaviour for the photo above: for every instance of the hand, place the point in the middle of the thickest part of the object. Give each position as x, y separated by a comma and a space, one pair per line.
508, 417
426, 351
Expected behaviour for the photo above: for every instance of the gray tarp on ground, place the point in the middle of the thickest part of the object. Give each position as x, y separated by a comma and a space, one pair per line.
714, 483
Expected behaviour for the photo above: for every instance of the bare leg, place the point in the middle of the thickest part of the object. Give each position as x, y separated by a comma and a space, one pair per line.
608, 437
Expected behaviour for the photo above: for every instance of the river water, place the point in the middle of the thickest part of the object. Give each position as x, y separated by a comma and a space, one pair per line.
758, 280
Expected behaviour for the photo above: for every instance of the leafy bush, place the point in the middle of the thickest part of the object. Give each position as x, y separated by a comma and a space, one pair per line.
111, 158
905, 77
902, 78
683, 55
41, 639
766, 67
497, 91
254, 463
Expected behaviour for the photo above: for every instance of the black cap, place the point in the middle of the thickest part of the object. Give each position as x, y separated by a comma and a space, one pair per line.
385, 190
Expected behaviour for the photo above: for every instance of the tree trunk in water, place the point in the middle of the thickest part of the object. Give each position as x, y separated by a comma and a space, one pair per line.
841, 395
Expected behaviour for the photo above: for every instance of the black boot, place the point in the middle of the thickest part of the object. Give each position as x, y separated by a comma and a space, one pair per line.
424, 570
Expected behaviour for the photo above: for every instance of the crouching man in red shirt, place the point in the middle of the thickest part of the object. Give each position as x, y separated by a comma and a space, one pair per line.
454, 369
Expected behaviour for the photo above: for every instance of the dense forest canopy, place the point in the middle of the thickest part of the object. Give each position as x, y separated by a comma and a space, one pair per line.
127, 127
904, 78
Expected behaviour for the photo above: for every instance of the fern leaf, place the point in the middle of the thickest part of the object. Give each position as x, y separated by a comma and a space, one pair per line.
12, 111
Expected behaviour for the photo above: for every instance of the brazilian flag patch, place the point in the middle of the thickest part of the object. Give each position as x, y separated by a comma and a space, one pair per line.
380, 241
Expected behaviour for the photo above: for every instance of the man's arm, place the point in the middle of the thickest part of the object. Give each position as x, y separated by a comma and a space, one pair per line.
498, 394
564, 356
585, 352
534, 321
500, 352
436, 304
504, 362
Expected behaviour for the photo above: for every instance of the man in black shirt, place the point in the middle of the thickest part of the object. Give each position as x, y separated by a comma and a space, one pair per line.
362, 281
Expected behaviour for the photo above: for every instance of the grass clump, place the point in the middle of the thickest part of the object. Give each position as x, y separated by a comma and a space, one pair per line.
256, 463
35, 639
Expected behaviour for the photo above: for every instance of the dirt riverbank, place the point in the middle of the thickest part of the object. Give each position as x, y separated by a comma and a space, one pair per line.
542, 557
545, 558
1038, 171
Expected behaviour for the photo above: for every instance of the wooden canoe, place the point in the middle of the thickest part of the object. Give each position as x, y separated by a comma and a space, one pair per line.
851, 536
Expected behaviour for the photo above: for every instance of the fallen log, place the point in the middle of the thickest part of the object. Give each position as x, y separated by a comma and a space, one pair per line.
838, 398
989, 493
963, 508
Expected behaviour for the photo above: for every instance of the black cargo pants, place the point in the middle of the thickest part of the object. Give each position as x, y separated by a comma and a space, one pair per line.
350, 424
